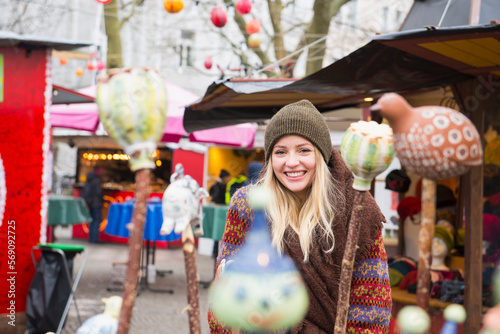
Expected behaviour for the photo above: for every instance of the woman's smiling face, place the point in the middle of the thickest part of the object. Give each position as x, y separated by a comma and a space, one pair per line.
294, 163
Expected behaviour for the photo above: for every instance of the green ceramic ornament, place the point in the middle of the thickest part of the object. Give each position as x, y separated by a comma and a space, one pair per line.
367, 149
133, 107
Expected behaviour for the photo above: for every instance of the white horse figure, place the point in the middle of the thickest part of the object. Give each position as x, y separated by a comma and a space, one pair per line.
181, 204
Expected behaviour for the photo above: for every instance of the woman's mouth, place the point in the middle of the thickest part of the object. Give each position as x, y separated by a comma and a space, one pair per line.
294, 174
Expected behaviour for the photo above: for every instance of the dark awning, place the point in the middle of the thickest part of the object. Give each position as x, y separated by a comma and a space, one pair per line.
8, 38
401, 62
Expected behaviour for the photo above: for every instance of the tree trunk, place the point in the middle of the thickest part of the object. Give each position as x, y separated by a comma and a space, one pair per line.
113, 27
192, 280
135, 245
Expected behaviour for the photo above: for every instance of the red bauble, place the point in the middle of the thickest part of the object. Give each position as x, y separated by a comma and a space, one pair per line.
218, 16
90, 65
104, 2
243, 6
253, 26
100, 65
208, 63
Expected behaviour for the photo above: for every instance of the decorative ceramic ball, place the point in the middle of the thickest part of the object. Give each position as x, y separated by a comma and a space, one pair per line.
218, 16
413, 320
432, 141
455, 313
367, 150
243, 6
173, 6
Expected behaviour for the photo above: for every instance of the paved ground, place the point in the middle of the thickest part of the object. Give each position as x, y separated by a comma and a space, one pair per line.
153, 312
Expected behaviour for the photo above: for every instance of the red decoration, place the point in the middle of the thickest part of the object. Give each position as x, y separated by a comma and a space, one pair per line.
208, 63
90, 65
79, 71
104, 2
218, 16
173, 6
243, 6
254, 41
63, 61
100, 65
253, 26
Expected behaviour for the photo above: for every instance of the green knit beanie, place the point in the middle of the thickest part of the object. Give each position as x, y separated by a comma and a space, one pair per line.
444, 234
302, 119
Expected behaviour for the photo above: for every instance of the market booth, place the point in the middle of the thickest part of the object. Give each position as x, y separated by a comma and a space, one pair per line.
457, 63
25, 137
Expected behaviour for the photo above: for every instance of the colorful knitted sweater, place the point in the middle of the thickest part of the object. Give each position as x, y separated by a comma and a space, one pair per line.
370, 296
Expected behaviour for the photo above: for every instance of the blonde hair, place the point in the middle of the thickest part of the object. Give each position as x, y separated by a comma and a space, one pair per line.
319, 208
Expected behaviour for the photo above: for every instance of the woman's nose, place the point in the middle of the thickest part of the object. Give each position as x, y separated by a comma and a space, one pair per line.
292, 160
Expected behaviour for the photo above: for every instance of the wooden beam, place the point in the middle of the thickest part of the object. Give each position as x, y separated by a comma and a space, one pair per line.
70, 55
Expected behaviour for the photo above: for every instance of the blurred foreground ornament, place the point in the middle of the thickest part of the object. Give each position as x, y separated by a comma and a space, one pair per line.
104, 2
208, 63
253, 26
455, 315
243, 6
173, 6
105, 323
254, 41
132, 106
491, 320
218, 16
367, 150
413, 320
182, 212
260, 291
437, 143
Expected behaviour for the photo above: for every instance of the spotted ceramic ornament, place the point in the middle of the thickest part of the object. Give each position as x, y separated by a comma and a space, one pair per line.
260, 291
432, 141
367, 150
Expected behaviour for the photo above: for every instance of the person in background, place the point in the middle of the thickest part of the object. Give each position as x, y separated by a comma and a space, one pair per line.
93, 196
309, 221
254, 169
218, 190
236, 183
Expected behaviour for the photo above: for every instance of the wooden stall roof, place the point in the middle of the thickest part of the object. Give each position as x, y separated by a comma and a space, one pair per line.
402, 62
8, 38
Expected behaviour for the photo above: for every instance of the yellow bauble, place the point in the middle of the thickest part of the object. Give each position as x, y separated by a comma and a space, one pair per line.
173, 6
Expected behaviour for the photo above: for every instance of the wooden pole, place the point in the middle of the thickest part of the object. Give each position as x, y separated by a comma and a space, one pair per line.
425, 242
348, 263
192, 280
135, 244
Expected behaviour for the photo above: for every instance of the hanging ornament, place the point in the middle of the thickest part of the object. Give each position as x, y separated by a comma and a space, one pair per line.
253, 26
104, 2
218, 16
173, 6
79, 71
208, 62
254, 41
243, 6
90, 65
63, 61
101, 65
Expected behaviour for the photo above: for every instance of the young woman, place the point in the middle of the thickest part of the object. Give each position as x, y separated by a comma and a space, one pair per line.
309, 222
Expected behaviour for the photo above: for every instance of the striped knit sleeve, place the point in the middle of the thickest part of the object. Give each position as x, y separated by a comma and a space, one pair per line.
238, 216
370, 298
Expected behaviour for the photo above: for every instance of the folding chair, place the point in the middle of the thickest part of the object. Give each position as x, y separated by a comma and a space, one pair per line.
66, 252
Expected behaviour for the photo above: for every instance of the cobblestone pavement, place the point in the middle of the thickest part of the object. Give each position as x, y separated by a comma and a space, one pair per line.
154, 312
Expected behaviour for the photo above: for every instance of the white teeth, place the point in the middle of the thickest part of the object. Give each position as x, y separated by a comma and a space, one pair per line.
295, 174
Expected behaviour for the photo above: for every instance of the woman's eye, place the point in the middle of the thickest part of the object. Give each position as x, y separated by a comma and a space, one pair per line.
279, 152
305, 150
